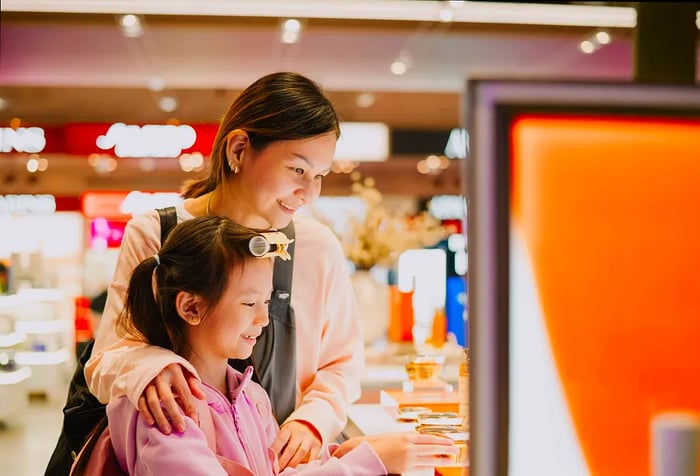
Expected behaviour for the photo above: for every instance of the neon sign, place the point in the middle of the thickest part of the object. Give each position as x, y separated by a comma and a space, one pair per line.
147, 141
27, 204
22, 139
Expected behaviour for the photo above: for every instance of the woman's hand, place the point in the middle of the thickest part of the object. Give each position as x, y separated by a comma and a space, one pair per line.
405, 451
297, 442
170, 393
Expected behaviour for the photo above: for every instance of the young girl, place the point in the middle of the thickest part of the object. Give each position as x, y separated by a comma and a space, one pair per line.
208, 303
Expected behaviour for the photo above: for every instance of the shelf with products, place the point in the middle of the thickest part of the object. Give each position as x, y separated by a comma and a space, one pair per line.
13, 376
44, 317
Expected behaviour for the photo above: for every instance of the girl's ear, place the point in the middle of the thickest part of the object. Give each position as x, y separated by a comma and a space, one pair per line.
236, 142
190, 307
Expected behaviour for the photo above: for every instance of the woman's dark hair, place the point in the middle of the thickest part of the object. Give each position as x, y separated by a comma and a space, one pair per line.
279, 106
196, 258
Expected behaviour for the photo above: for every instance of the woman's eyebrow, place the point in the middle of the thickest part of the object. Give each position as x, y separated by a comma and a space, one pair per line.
308, 162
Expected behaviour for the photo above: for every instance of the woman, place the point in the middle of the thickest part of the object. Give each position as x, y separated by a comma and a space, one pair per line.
274, 146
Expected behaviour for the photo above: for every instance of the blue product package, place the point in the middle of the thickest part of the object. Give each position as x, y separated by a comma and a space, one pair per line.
455, 308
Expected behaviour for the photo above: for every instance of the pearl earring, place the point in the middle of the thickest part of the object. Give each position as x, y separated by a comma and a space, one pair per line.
194, 320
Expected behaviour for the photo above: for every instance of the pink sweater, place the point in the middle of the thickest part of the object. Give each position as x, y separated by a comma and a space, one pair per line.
330, 351
244, 428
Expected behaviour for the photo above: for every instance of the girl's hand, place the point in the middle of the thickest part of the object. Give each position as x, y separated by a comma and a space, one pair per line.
297, 442
169, 394
405, 451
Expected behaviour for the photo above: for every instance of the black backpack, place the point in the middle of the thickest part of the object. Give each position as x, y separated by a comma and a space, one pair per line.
83, 412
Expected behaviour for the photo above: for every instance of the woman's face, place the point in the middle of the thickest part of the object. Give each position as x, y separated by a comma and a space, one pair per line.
284, 176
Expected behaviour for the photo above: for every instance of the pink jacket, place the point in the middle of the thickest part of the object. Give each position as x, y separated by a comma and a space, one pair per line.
244, 429
330, 350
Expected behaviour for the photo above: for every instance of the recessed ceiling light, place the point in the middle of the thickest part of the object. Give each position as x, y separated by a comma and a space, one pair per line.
290, 31
292, 25
602, 37
290, 37
365, 99
131, 26
446, 14
587, 47
156, 83
398, 67
167, 103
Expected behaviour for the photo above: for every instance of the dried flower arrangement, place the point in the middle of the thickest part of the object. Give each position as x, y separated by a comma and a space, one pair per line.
382, 235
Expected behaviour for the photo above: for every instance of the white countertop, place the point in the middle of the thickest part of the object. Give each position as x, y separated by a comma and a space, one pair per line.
372, 419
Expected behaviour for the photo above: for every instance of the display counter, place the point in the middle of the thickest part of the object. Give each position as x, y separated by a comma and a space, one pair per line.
383, 383
373, 419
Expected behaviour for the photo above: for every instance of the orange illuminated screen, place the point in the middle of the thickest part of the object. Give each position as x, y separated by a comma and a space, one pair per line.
606, 210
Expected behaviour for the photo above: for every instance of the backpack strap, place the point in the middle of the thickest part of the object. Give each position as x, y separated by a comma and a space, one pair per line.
168, 220
274, 354
282, 276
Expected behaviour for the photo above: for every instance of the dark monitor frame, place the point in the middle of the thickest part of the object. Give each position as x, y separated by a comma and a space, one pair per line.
491, 104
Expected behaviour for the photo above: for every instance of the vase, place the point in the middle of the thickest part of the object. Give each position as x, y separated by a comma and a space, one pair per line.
373, 300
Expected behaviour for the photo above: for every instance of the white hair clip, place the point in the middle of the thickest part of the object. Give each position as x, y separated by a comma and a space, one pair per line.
268, 244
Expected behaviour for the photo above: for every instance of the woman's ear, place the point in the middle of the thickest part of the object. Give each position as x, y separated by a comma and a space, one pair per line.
236, 143
190, 307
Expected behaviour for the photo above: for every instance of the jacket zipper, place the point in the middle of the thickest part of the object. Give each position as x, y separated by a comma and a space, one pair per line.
243, 438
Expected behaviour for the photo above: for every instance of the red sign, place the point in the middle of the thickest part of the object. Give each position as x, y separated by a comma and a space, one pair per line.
81, 138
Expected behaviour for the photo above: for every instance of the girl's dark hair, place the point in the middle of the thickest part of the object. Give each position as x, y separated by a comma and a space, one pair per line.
197, 258
279, 106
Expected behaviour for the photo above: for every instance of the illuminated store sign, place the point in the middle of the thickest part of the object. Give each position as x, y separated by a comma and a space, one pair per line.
22, 139
448, 207
457, 145
27, 204
137, 202
124, 205
147, 141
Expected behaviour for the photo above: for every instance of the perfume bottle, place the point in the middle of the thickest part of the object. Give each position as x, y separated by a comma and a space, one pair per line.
463, 387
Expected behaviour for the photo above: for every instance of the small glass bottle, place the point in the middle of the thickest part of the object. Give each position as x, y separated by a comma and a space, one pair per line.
463, 387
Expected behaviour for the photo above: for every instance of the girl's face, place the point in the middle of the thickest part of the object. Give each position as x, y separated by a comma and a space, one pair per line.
286, 175
230, 329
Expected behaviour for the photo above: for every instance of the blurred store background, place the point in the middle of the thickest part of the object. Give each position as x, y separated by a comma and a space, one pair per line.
107, 106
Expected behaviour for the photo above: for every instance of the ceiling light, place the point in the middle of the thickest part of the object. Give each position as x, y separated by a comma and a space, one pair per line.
128, 21
291, 30
131, 26
602, 37
446, 14
290, 37
167, 103
292, 25
365, 100
156, 83
587, 47
398, 67
601, 16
